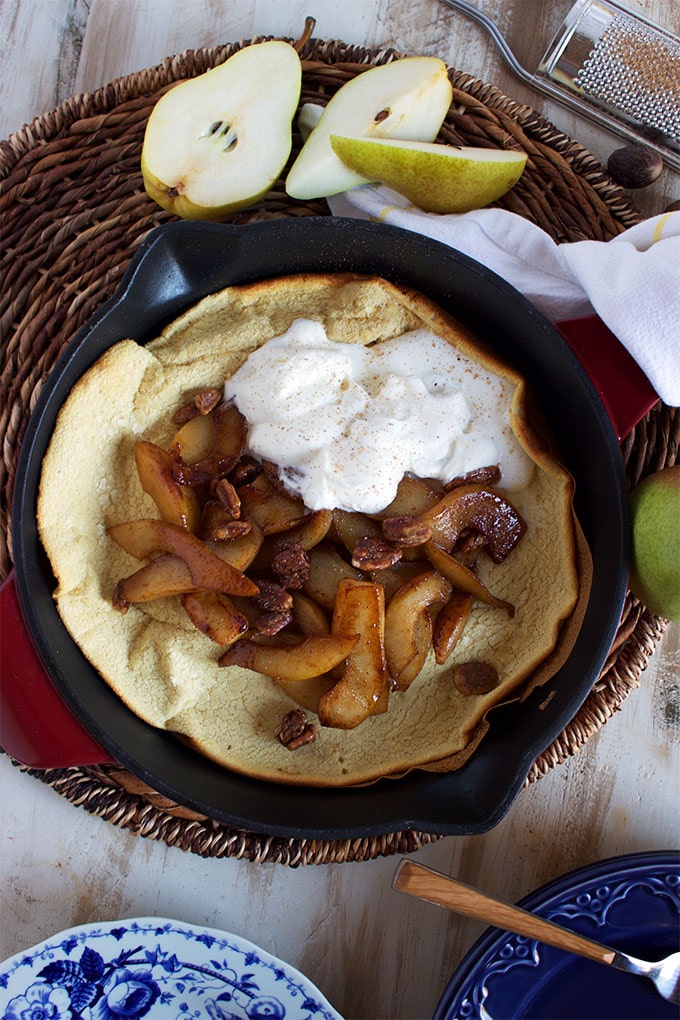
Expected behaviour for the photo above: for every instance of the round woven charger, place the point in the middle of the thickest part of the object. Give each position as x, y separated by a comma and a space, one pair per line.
74, 211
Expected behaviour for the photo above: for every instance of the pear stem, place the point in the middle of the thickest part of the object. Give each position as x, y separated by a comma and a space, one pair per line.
310, 24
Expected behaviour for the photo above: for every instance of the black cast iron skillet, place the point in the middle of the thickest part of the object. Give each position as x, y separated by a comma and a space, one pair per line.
176, 266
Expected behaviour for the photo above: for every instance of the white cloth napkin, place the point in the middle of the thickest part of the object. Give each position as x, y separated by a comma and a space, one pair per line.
632, 282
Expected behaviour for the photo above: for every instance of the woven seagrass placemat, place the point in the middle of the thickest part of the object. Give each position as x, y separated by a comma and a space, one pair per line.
74, 211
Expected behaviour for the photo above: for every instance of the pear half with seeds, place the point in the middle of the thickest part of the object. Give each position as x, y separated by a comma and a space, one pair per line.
436, 178
218, 142
407, 98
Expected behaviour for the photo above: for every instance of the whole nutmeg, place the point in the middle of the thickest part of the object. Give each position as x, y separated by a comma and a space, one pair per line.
635, 166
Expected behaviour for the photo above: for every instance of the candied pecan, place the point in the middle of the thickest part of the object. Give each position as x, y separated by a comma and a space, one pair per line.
185, 413
291, 565
273, 597
406, 531
217, 524
475, 677
227, 495
207, 400
246, 470
479, 476
296, 730
231, 529
375, 554
271, 623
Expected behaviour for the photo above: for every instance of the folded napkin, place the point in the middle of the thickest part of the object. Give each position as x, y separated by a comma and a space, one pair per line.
632, 282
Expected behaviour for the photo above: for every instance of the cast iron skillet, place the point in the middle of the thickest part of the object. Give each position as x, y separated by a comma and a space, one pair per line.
177, 265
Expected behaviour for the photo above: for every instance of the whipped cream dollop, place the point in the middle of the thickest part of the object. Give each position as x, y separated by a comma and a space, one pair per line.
345, 422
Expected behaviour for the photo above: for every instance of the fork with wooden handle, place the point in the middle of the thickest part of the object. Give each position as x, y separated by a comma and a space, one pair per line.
426, 884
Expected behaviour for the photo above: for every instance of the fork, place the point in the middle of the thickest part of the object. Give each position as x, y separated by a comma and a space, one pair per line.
426, 884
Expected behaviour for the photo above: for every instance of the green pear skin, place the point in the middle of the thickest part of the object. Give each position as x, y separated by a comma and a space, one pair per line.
655, 554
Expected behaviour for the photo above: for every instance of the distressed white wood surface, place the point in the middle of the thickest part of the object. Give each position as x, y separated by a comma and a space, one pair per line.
373, 952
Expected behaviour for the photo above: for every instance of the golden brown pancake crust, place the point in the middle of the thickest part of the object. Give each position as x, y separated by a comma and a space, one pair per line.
160, 665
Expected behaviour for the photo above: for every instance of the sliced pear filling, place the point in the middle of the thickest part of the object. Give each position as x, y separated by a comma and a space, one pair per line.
365, 637
155, 604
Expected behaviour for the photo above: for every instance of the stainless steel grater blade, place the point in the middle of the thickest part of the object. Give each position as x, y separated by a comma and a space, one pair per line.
610, 65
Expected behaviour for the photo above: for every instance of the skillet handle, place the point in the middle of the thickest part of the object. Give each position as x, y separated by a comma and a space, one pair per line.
36, 727
624, 389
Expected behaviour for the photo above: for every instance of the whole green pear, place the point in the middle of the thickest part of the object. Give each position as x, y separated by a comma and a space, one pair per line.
655, 553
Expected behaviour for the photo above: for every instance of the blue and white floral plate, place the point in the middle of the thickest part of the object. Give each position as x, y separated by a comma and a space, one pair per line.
154, 968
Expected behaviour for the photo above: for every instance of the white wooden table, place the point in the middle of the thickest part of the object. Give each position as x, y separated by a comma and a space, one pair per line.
373, 952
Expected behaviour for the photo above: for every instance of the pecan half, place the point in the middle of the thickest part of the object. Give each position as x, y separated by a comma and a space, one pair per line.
207, 400
185, 413
375, 554
227, 495
296, 730
232, 529
273, 622
291, 565
217, 524
273, 597
406, 531
475, 677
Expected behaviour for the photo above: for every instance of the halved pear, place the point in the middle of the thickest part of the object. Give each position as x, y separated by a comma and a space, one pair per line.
436, 178
408, 98
217, 143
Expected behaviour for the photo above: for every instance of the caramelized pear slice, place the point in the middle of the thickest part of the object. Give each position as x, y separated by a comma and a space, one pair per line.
392, 578
408, 626
215, 616
176, 503
307, 693
309, 616
241, 551
450, 624
409, 649
463, 578
195, 440
363, 688
167, 575
231, 433
482, 510
326, 569
147, 538
315, 655
269, 507
414, 497
348, 528
313, 529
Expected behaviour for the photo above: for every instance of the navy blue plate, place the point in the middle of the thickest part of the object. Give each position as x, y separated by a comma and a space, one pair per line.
630, 903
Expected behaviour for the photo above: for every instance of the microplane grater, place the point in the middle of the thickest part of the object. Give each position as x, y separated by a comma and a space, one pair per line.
612, 66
